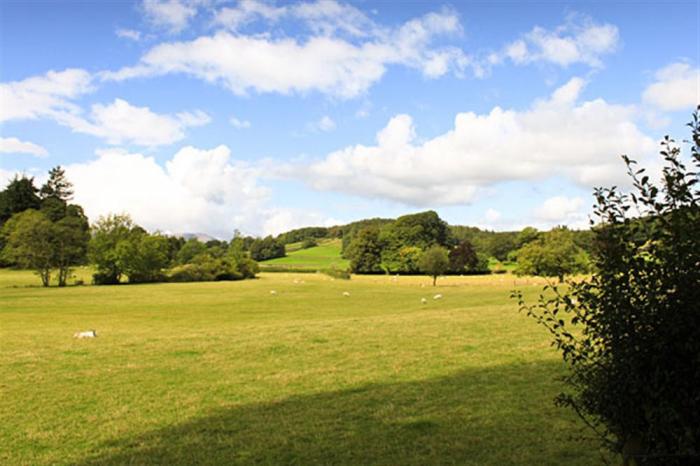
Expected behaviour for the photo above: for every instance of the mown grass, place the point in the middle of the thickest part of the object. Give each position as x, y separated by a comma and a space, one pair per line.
324, 256
227, 373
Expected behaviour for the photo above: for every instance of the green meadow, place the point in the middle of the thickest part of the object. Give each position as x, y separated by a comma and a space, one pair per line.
230, 373
324, 256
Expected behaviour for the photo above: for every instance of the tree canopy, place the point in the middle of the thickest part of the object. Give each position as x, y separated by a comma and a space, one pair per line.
553, 254
434, 262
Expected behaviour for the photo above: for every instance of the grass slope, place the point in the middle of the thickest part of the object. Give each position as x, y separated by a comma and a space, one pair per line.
323, 256
227, 373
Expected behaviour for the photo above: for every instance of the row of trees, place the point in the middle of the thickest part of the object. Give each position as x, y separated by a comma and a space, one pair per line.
41, 230
120, 248
399, 246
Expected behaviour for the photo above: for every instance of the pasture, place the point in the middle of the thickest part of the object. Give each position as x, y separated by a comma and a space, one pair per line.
228, 373
324, 256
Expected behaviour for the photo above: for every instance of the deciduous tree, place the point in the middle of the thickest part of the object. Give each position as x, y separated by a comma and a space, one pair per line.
434, 262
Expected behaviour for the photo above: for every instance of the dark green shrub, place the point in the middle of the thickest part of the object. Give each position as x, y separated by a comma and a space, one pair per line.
631, 334
337, 273
309, 243
103, 278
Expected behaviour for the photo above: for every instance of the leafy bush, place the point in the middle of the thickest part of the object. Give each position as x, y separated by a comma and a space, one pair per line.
337, 273
266, 248
104, 278
553, 254
190, 273
631, 334
309, 243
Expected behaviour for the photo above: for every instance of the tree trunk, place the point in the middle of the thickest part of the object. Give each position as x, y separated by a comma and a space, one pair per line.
63, 276
434, 279
45, 277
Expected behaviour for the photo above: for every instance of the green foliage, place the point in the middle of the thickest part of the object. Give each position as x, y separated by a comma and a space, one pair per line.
434, 262
396, 258
349, 231
34, 241
71, 236
396, 247
365, 251
421, 230
266, 248
309, 243
631, 334
19, 195
143, 257
189, 250
301, 234
54, 208
526, 235
501, 244
107, 233
57, 186
554, 254
337, 273
29, 237
205, 267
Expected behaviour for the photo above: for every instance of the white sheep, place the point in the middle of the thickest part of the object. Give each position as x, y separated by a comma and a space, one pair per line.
346, 293
423, 301
273, 292
437, 296
85, 334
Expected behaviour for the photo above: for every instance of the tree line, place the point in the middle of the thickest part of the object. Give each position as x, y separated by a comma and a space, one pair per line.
41, 230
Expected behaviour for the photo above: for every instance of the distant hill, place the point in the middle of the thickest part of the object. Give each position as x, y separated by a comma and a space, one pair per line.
324, 256
203, 237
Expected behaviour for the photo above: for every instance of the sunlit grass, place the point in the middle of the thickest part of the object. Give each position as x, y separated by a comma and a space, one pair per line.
226, 373
325, 255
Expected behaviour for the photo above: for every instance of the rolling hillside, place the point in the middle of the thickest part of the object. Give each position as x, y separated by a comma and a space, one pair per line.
324, 256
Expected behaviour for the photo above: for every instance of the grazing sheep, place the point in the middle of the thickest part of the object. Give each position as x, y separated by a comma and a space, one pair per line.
85, 334
437, 296
346, 293
273, 292
423, 301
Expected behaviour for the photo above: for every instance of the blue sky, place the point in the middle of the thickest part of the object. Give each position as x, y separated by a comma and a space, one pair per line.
209, 116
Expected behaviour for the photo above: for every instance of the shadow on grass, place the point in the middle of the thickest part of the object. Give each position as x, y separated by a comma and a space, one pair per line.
500, 415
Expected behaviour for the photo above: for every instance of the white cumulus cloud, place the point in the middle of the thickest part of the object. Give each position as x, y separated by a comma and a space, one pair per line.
44, 96
578, 40
123, 123
16, 146
558, 136
196, 190
562, 210
324, 63
240, 124
676, 87
173, 15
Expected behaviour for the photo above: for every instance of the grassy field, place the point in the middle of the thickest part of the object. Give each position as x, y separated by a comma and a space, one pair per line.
228, 373
323, 256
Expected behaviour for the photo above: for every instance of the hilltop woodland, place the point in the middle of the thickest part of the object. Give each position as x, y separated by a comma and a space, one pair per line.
41, 230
